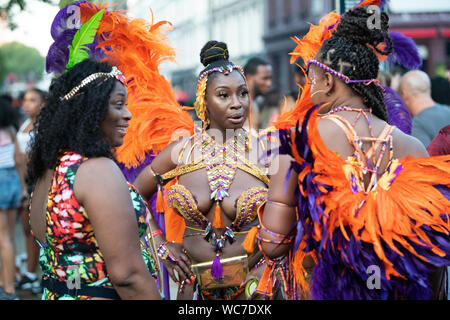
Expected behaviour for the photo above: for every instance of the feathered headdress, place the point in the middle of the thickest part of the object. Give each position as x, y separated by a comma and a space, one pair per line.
404, 52
137, 48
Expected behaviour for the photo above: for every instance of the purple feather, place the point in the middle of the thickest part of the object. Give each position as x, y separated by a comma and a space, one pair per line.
131, 173
404, 52
398, 114
58, 54
63, 30
382, 4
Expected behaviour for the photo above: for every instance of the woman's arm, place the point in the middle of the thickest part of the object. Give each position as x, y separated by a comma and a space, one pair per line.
20, 160
279, 214
101, 188
146, 184
165, 161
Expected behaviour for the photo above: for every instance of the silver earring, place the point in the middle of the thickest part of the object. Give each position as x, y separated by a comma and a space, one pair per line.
317, 92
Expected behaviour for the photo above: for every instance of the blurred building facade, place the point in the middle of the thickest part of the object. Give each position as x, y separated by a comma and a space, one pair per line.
428, 23
265, 27
239, 23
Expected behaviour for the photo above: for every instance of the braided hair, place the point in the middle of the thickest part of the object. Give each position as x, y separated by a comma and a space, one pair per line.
214, 54
350, 50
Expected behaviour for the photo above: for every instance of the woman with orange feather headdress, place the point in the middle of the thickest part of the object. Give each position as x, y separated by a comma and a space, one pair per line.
137, 48
362, 205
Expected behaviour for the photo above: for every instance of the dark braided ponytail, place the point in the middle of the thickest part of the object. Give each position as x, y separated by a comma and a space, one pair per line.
351, 51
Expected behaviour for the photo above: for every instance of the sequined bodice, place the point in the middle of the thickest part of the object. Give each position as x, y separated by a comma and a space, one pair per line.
181, 199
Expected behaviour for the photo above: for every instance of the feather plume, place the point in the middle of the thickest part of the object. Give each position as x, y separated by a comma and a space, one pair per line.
398, 114
404, 52
380, 3
78, 50
138, 48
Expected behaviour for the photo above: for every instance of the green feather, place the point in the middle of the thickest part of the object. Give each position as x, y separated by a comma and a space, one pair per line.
78, 51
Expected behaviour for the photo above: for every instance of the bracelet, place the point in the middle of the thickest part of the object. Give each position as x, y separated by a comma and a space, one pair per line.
164, 253
280, 204
158, 177
156, 232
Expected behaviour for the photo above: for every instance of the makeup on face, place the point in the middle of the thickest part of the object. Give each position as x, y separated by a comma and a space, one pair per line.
227, 101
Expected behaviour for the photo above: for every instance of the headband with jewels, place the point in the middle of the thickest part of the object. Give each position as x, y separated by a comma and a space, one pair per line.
199, 104
114, 73
341, 76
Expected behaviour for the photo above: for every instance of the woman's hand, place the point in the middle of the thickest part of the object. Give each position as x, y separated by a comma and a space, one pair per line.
177, 263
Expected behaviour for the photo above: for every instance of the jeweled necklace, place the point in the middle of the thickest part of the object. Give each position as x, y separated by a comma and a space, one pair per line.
222, 162
221, 167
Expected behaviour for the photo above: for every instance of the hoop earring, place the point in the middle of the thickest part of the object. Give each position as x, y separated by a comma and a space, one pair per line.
312, 95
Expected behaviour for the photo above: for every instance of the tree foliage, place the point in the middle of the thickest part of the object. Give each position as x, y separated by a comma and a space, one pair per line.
25, 62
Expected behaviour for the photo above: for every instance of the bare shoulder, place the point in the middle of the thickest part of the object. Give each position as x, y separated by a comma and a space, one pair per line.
334, 137
98, 175
406, 145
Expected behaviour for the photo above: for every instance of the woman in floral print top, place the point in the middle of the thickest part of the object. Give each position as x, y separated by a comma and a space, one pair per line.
86, 217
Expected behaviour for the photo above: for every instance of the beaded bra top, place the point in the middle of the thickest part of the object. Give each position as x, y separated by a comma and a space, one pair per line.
247, 204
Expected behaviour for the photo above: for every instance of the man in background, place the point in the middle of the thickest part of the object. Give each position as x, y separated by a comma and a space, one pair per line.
428, 116
259, 79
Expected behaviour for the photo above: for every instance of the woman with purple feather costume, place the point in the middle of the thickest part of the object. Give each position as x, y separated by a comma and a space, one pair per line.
356, 201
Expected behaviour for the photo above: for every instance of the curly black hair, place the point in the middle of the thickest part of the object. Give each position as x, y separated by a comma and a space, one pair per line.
73, 124
353, 42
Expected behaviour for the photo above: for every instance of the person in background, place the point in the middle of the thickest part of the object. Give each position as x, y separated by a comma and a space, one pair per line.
440, 145
396, 75
428, 116
10, 193
270, 109
33, 102
440, 90
258, 73
385, 78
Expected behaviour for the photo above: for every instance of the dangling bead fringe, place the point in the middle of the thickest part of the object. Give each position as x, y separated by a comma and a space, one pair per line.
217, 223
216, 268
249, 242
